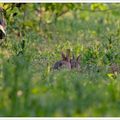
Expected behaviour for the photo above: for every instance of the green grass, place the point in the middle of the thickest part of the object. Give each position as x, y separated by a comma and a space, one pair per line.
28, 86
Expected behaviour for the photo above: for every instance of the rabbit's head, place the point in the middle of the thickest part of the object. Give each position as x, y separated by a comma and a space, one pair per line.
64, 62
66, 59
75, 62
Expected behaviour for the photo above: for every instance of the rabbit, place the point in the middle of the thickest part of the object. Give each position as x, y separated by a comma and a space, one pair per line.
75, 62
65, 62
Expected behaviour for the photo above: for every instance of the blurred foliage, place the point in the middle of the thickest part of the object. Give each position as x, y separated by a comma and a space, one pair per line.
36, 35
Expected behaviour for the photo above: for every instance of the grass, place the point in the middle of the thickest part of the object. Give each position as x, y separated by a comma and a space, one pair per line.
28, 85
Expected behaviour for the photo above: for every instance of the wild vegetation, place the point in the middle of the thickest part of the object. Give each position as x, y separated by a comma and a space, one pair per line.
36, 35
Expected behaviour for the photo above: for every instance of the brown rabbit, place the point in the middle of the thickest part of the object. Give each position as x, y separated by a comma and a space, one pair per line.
65, 62
75, 62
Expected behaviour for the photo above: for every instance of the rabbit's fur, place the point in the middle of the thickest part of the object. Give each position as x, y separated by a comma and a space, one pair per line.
75, 62
67, 62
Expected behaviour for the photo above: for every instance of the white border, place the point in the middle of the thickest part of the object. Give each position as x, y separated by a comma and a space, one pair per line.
60, 1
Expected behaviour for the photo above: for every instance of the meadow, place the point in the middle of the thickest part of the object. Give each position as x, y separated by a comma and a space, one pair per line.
28, 84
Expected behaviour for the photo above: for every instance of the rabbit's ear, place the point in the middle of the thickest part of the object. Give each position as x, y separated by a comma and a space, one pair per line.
68, 53
63, 56
78, 58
